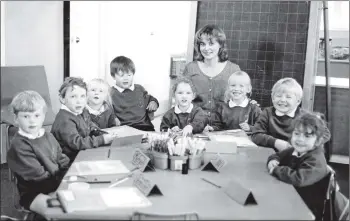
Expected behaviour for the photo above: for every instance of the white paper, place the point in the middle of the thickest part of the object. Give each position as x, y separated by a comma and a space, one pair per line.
240, 141
100, 167
124, 197
68, 195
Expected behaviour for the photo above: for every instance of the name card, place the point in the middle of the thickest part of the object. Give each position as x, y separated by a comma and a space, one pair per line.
142, 161
215, 164
239, 193
146, 186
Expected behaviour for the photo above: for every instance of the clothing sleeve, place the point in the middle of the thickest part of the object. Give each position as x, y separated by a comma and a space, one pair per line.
112, 120
309, 172
148, 98
62, 159
70, 136
279, 156
199, 121
254, 115
260, 129
166, 122
217, 122
22, 161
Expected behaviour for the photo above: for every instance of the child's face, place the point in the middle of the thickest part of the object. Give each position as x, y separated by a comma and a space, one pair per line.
184, 95
303, 139
285, 100
124, 79
97, 93
209, 47
30, 122
239, 87
75, 99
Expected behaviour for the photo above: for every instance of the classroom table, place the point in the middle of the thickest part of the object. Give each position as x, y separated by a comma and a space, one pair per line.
189, 193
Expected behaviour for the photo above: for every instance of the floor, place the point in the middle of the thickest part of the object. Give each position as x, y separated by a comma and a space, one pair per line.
7, 196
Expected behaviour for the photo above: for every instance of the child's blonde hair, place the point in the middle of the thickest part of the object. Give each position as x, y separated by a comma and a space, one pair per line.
289, 83
28, 101
104, 83
236, 74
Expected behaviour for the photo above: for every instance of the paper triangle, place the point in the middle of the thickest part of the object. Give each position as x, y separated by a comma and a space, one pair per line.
149, 167
209, 167
155, 191
250, 199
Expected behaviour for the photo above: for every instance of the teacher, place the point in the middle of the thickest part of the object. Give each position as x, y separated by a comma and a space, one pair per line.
211, 69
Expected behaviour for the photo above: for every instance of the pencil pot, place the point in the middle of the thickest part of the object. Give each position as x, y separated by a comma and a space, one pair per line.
195, 161
177, 161
160, 160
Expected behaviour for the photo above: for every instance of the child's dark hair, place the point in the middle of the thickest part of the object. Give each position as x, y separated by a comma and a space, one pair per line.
213, 32
71, 82
315, 122
183, 80
122, 63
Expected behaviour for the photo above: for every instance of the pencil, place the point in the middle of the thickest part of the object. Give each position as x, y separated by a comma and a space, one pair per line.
109, 153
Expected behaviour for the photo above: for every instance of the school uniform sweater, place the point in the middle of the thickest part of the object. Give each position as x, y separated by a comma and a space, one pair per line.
306, 173
72, 132
106, 119
130, 107
38, 165
270, 127
230, 117
196, 118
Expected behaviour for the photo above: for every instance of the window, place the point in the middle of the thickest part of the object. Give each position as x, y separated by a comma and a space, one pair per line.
338, 16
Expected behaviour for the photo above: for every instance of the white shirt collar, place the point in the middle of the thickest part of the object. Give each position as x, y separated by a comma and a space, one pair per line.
244, 103
64, 107
178, 111
31, 136
290, 114
295, 153
96, 112
121, 90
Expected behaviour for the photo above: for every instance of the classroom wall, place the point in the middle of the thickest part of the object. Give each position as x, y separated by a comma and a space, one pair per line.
267, 39
2, 34
34, 36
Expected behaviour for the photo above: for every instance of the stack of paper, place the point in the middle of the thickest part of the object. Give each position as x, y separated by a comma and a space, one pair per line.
100, 167
241, 141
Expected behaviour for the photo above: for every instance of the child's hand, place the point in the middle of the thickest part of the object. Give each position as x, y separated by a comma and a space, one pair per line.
187, 130
245, 126
271, 165
254, 102
108, 138
175, 129
281, 144
152, 106
208, 128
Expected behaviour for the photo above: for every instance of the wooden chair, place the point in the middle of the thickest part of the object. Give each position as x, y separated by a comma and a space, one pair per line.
154, 216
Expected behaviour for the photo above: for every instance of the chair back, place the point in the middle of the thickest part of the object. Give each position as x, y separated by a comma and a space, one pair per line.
15, 79
154, 216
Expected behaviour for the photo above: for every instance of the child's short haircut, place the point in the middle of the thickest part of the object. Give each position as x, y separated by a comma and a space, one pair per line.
122, 63
103, 82
213, 32
236, 74
28, 101
183, 80
288, 83
313, 121
71, 82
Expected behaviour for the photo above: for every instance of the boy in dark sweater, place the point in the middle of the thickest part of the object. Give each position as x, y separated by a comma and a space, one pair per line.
236, 112
184, 116
35, 157
73, 127
131, 102
304, 165
99, 104
275, 124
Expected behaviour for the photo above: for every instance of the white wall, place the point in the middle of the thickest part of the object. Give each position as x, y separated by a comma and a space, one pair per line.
34, 36
2, 34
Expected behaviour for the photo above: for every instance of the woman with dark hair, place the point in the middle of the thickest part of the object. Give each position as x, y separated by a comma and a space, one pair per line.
211, 70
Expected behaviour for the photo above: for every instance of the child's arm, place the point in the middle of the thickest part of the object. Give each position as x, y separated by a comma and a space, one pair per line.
166, 121
255, 113
260, 131
62, 159
217, 122
309, 172
199, 120
112, 120
152, 102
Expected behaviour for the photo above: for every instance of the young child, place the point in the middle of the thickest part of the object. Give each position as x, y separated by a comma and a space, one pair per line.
184, 116
275, 124
35, 157
99, 104
131, 102
73, 127
237, 112
303, 164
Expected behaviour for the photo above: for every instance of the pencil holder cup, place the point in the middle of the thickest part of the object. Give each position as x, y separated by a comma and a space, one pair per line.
177, 161
196, 161
160, 160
